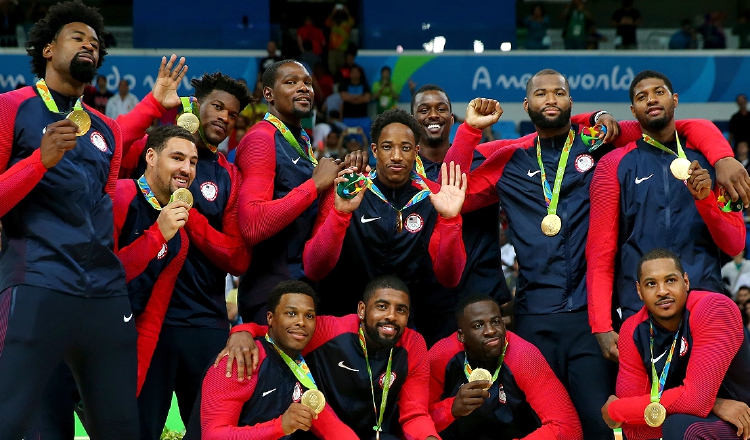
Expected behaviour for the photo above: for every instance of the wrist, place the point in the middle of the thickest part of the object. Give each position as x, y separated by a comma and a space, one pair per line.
599, 114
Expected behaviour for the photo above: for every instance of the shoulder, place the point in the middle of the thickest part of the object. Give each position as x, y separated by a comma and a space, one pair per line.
520, 351
611, 161
445, 349
10, 101
412, 339
628, 327
709, 305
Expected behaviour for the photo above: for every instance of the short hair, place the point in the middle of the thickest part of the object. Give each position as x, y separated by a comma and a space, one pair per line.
48, 28
269, 76
427, 88
290, 286
530, 81
218, 81
384, 282
472, 299
159, 136
646, 74
658, 254
393, 116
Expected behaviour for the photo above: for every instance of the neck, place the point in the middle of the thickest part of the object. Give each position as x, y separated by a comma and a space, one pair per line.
288, 120
666, 134
65, 86
160, 195
435, 153
552, 132
198, 140
392, 185
669, 324
123, 95
489, 364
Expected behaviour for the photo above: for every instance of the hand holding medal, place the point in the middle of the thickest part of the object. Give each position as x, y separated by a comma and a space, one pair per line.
183, 195
699, 183
350, 189
58, 138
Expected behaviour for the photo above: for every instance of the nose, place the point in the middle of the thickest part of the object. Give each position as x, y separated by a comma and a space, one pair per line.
187, 168
303, 87
489, 330
396, 155
433, 113
551, 98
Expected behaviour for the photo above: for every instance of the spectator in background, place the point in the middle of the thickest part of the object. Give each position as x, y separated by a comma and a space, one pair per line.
356, 96
731, 272
122, 103
626, 19
594, 37
577, 20
685, 37
536, 26
309, 32
383, 93
322, 84
340, 22
354, 140
269, 59
742, 153
713, 34
739, 124
100, 96
742, 29
10, 16
307, 57
342, 75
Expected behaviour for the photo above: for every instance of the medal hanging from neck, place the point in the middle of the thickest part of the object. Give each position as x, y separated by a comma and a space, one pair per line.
78, 115
187, 119
551, 223
308, 155
386, 385
681, 165
655, 413
476, 374
313, 398
418, 197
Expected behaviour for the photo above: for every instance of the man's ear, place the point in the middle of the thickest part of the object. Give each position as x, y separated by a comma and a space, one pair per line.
460, 336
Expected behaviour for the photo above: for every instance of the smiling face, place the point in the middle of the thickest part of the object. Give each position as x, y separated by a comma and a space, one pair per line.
385, 316
663, 290
292, 95
548, 102
482, 331
292, 324
432, 109
172, 168
218, 113
74, 52
653, 104
395, 152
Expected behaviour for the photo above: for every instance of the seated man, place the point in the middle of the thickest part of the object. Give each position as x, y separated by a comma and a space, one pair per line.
232, 409
528, 401
701, 385
354, 354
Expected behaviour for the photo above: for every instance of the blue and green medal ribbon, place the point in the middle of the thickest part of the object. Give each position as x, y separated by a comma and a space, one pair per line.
418, 197
309, 155
44, 93
656, 418
468, 369
551, 196
386, 384
147, 193
298, 366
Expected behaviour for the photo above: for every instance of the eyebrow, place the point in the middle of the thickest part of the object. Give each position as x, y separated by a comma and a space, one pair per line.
84, 34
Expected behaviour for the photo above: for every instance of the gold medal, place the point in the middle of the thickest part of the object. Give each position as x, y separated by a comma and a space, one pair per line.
679, 168
551, 225
81, 119
399, 222
655, 414
315, 400
189, 122
183, 195
480, 374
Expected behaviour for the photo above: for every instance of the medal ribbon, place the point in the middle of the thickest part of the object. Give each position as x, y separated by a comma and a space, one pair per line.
147, 193
420, 166
551, 196
299, 367
187, 104
657, 382
653, 142
292, 140
189, 107
44, 93
468, 369
418, 197
386, 383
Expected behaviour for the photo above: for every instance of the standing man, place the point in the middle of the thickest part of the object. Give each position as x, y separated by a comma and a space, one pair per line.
100, 96
281, 180
122, 103
637, 204
684, 357
739, 124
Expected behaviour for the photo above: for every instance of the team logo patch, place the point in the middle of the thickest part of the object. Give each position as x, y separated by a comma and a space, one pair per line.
683, 347
501, 397
297, 394
382, 376
162, 253
414, 223
584, 162
209, 191
98, 140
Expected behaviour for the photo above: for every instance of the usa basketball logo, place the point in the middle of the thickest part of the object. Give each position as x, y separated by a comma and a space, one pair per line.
209, 191
501, 397
297, 394
683, 347
414, 223
584, 162
163, 252
98, 140
382, 377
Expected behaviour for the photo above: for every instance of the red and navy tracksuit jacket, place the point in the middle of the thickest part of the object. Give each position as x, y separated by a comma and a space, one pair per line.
338, 364
636, 206
526, 401
151, 265
277, 209
711, 358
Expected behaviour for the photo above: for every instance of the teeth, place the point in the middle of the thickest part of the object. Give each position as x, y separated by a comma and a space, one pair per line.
433, 127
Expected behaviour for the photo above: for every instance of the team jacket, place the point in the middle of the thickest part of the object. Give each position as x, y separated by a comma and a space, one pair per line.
338, 364
527, 400
712, 357
636, 206
58, 223
551, 269
350, 249
216, 247
277, 208
233, 410
151, 266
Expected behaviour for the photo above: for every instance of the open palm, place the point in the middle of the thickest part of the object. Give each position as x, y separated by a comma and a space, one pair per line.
168, 80
450, 199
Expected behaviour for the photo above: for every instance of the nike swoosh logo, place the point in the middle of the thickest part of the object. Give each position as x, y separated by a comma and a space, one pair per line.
368, 220
530, 174
294, 161
127, 318
654, 361
265, 393
341, 364
638, 181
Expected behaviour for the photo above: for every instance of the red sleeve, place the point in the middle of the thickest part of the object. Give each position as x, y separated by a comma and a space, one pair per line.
114, 165
714, 347
439, 355
131, 158
706, 138
221, 405
726, 228
601, 247
136, 256
225, 248
255, 330
329, 426
461, 150
150, 321
544, 392
134, 123
482, 191
412, 398
447, 251
260, 215
323, 249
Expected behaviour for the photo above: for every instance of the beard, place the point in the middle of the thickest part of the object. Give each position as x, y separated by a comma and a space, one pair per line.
302, 114
82, 71
660, 122
387, 343
541, 121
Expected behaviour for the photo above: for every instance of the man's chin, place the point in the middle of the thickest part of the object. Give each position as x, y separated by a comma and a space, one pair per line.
302, 113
